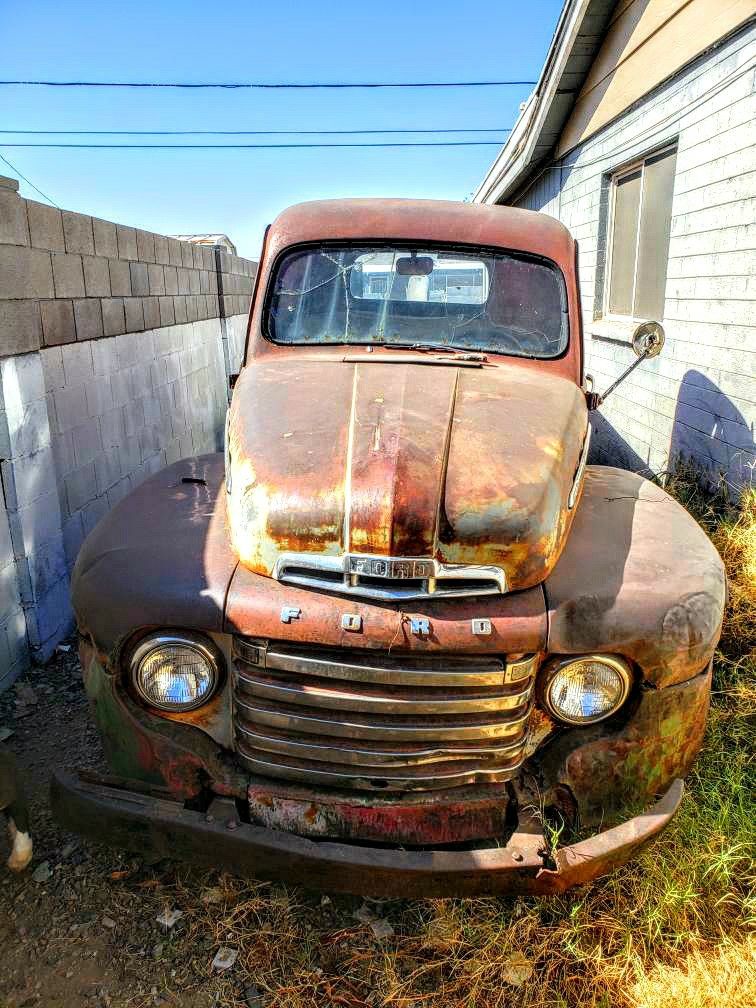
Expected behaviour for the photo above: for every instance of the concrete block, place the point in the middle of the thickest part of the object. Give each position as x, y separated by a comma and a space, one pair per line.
204, 280
20, 327
174, 252
25, 273
104, 356
96, 276
113, 317
25, 479
88, 318
171, 279
26, 428
78, 363
53, 619
80, 487
105, 238
22, 381
140, 283
145, 246
156, 278
107, 470
87, 442
14, 227
57, 322
134, 314
162, 254
93, 512
45, 226
187, 254
140, 380
120, 386
63, 454
112, 428
129, 455
78, 233
133, 417
36, 524
120, 278
167, 316
127, 245
194, 281
70, 406
151, 307
128, 348
68, 275
182, 280
197, 256
99, 395
51, 359
73, 537
179, 308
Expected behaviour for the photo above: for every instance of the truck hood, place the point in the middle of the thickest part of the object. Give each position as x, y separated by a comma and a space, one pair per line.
466, 465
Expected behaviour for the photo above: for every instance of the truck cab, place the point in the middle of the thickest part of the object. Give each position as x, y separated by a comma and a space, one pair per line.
399, 637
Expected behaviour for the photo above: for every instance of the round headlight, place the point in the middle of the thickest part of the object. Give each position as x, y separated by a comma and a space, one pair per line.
175, 672
581, 691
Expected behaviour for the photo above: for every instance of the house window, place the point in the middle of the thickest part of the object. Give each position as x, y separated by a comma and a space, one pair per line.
639, 241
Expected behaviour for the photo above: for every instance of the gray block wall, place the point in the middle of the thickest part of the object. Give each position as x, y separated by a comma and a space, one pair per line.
698, 398
115, 350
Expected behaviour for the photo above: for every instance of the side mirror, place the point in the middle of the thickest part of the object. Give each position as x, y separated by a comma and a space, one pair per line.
647, 342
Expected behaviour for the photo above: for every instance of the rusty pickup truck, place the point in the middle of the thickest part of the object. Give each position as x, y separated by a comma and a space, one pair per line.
401, 639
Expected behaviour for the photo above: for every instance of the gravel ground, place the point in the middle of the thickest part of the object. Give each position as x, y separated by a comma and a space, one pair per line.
79, 927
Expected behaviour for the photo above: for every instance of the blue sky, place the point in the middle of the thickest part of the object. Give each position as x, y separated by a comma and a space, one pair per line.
238, 192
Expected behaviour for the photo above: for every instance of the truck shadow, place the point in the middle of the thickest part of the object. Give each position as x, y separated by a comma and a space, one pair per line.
708, 430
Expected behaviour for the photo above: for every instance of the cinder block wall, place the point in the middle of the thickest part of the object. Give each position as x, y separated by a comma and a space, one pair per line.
115, 350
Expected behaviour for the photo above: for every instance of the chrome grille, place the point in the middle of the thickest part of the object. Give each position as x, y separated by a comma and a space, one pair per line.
368, 720
390, 578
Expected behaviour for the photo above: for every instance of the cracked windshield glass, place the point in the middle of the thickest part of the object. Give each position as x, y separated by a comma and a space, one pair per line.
497, 303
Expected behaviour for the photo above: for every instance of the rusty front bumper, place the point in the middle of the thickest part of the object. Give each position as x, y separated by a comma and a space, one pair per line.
156, 826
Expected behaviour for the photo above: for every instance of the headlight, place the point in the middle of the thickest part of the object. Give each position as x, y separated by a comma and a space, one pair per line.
581, 691
175, 672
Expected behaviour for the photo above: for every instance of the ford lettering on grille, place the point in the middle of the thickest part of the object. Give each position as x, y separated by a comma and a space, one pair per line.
399, 570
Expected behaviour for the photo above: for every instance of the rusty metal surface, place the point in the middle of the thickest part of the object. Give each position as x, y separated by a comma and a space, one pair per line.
162, 557
637, 577
331, 457
608, 769
158, 827
427, 221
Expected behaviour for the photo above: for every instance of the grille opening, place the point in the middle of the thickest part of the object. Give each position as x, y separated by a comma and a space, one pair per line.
332, 717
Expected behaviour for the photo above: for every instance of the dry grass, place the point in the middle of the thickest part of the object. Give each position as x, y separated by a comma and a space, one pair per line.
668, 931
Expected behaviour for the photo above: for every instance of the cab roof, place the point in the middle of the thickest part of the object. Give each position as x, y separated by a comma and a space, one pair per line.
427, 221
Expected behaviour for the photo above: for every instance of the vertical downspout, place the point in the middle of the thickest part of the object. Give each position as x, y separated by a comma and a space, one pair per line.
222, 318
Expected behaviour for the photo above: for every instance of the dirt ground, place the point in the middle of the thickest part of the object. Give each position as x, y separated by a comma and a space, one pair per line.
78, 927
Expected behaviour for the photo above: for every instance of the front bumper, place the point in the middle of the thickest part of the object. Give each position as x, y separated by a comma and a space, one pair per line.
158, 827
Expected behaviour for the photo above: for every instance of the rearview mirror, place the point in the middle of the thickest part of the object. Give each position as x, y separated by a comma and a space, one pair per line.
647, 341
414, 266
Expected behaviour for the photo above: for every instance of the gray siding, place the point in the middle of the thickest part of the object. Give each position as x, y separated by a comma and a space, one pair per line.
698, 397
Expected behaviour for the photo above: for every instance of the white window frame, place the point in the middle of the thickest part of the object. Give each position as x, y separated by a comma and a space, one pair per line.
617, 176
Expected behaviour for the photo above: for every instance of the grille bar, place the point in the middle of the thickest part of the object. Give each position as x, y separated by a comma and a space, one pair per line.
364, 720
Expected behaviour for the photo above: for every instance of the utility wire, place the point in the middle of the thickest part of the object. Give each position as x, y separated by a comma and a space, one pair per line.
291, 132
274, 86
28, 181
276, 146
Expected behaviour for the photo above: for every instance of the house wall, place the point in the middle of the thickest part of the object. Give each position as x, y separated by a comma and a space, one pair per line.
697, 398
646, 42
113, 364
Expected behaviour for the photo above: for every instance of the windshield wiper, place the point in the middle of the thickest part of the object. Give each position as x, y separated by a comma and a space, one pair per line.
444, 347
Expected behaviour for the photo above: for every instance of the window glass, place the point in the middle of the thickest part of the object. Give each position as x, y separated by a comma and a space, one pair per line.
640, 238
653, 247
397, 296
624, 243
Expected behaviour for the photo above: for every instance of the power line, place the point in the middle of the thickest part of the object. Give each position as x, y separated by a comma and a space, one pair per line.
276, 146
273, 86
290, 132
28, 181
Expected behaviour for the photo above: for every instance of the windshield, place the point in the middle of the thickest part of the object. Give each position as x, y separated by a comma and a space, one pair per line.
398, 296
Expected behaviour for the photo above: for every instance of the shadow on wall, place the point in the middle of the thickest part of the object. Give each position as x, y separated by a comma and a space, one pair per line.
707, 429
